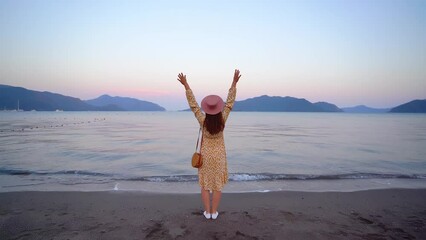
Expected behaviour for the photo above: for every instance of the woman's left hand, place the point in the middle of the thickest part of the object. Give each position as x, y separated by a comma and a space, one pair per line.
237, 76
182, 79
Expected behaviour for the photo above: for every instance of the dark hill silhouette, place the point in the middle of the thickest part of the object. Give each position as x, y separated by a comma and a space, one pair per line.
282, 104
415, 106
47, 101
125, 103
328, 107
365, 109
40, 101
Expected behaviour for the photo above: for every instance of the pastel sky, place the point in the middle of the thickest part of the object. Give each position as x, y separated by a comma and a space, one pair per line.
344, 52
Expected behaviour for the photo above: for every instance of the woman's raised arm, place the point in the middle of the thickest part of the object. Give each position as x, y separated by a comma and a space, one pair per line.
231, 95
192, 102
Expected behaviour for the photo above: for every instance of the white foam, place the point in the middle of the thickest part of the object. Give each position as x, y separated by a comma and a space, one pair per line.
263, 191
246, 177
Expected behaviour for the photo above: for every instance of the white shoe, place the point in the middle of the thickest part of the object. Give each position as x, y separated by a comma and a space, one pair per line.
214, 215
207, 215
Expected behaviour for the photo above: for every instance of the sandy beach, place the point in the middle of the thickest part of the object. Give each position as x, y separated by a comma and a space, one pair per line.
373, 214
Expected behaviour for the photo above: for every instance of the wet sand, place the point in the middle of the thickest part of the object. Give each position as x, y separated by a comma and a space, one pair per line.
373, 214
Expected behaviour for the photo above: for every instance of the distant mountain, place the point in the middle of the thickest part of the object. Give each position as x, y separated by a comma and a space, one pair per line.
365, 109
46, 101
40, 101
415, 106
282, 104
328, 107
125, 103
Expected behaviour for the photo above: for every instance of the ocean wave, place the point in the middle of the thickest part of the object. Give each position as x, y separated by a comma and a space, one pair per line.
245, 177
236, 177
4, 171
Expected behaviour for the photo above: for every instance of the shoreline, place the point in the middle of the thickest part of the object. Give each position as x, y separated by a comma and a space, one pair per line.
11, 183
368, 214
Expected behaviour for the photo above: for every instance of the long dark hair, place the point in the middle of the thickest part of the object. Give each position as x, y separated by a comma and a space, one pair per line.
214, 123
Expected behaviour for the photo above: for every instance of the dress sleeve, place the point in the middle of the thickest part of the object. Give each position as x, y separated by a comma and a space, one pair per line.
194, 107
229, 103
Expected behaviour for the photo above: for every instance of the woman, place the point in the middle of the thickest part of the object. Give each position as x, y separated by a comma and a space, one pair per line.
213, 174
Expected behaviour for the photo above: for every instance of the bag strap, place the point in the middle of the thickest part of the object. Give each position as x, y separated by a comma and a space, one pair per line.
198, 139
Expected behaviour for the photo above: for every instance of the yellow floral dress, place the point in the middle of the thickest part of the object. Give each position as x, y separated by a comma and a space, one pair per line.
213, 175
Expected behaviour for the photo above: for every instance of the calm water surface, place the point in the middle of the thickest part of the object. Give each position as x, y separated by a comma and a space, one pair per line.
151, 151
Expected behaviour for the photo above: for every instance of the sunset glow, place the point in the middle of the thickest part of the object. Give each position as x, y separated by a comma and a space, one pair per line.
344, 52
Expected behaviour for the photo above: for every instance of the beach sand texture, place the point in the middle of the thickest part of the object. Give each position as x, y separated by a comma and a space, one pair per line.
373, 214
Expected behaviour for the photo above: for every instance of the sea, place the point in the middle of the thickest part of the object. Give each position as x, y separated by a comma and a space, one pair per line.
266, 151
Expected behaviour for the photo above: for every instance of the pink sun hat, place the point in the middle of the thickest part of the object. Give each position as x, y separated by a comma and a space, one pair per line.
212, 104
